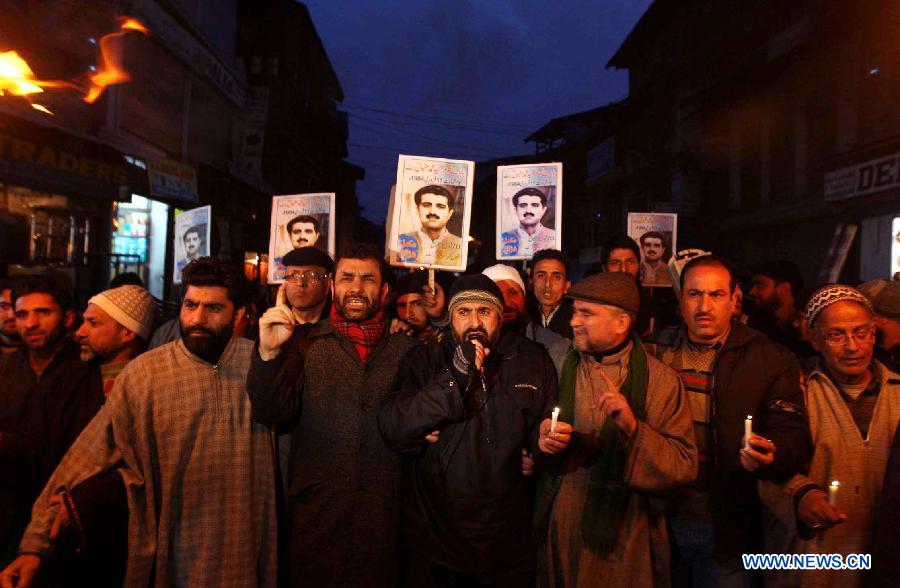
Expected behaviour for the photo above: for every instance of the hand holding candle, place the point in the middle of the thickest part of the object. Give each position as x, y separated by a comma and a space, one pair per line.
554, 434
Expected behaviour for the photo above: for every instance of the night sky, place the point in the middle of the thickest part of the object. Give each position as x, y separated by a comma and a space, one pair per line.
465, 79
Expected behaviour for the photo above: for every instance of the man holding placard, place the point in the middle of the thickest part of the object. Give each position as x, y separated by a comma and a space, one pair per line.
854, 406
729, 371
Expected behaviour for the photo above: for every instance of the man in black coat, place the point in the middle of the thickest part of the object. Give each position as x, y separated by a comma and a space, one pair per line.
729, 372
481, 396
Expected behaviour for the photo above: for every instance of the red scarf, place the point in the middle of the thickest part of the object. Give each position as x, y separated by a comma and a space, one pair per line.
364, 335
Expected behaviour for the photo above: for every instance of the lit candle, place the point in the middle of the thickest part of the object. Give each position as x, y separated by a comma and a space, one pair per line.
554, 419
748, 430
832, 493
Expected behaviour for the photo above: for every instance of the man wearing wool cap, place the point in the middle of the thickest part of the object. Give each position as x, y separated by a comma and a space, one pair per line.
853, 404
117, 325
632, 440
490, 393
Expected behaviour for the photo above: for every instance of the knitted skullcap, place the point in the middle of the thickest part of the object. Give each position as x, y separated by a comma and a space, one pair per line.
828, 295
130, 306
476, 288
504, 272
613, 288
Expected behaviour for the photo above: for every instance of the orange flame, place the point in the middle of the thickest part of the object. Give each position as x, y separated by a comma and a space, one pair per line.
17, 78
110, 70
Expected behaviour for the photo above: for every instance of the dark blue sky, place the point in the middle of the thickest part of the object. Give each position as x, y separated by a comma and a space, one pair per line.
465, 79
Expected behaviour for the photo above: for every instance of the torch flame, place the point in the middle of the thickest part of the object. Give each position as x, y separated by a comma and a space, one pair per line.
110, 70
17, 78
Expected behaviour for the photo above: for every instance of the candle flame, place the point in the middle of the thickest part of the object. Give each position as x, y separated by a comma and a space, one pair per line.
749, 417
835, 483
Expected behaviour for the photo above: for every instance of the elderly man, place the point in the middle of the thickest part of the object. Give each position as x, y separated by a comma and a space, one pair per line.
198, 472
343, 479
487, 391
730, 372
884, 295
632, 441
853, 403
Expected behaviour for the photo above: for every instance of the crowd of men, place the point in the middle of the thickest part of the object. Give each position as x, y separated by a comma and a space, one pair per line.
508, 429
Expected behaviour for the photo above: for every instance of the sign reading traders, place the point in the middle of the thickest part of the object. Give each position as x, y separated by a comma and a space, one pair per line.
49, 160
865, 178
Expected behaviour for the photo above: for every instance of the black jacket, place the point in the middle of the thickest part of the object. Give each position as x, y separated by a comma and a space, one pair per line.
467, 504
39, 420
753, 376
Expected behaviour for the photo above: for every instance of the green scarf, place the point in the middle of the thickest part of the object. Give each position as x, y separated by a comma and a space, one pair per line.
607, 494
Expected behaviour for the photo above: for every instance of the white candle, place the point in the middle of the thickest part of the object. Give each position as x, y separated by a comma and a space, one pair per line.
554, 419
748, 430
832, 493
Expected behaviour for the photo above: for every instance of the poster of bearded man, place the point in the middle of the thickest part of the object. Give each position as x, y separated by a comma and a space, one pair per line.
529, 209
191, 238
656, 234
299, 220
430, 219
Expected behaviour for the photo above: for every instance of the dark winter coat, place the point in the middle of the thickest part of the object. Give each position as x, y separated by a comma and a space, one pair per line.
344, 482
468, 505
753, 376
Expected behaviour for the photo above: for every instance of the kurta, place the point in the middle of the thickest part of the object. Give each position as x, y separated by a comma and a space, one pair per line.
842, 454
662, 455
198, 472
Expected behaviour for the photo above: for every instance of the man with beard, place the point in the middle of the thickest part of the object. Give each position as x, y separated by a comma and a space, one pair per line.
530, 236
47, 397
9, 336
490, 392
303, 231
730, 372
432, 243
775, 296
343, 479
632, 442
198, 472
512, 290
653, 266
117, 325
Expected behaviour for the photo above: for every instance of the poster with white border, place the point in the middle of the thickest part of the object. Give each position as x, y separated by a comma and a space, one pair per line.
191, 239
656, 234
299, 220
529, 209
432, 207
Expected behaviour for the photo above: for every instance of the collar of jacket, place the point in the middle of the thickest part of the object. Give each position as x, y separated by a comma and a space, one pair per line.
739, 336
69, 350
880, 374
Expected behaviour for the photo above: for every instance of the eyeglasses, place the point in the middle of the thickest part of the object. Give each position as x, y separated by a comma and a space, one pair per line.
310, 277
839, 339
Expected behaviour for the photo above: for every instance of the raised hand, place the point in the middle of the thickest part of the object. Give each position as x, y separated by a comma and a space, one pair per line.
275, 327
615, 406
434, 302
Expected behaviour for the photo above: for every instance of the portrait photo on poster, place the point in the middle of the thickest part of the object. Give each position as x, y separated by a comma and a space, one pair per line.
299, 220
656, 233
191, 238
430, 219
529, 209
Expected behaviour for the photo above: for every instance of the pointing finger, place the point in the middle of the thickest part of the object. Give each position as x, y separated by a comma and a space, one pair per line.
279, 298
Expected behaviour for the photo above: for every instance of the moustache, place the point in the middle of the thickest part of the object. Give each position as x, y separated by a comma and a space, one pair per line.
529, 214
476, 333
200, 330
432, 217
703, 315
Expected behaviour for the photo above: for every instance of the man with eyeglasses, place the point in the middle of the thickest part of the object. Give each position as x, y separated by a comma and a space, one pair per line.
853, 403
307, 280
343, 481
